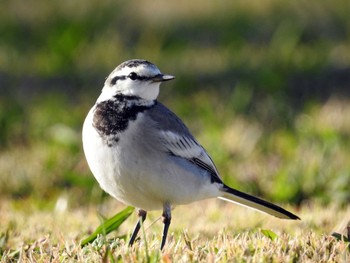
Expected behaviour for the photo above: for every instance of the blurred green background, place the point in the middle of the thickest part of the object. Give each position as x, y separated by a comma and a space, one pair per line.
264, 85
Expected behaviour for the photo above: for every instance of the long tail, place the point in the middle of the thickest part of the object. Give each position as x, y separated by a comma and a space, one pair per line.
235, 196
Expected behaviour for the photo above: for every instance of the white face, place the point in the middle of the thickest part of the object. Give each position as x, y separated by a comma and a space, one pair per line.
134, 78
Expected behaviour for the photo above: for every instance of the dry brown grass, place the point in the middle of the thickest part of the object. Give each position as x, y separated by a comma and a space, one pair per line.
207, 231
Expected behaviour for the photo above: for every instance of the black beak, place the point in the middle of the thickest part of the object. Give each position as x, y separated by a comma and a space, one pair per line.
162, 78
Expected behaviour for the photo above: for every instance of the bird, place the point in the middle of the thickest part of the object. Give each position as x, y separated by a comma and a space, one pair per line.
142, 154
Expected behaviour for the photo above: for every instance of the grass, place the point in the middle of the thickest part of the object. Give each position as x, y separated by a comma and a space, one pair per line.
206, 231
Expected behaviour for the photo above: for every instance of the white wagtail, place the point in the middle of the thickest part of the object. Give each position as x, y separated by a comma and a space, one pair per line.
142, 154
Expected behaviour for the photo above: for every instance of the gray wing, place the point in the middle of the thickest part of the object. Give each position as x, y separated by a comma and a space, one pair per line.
178, 140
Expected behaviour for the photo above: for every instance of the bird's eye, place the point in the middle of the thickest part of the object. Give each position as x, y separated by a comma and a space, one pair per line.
133, 76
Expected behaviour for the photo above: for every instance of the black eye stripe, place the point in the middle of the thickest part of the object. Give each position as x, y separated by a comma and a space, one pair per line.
116, 78
132, 77
143, 78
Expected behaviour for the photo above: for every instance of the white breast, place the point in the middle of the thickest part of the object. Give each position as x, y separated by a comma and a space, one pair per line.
101, 159
116, 168
137, 171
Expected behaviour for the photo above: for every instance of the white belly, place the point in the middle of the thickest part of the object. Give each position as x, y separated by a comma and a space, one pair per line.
126, 172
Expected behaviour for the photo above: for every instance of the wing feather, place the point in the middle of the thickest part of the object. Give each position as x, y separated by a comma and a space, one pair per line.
178, 141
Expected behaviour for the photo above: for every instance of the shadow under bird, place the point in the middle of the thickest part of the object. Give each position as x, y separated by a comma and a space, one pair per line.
143, 155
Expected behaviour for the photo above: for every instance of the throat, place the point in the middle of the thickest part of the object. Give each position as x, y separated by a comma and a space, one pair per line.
112, 117
131, 101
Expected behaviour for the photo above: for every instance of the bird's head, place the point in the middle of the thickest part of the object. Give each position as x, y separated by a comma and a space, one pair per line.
134, 77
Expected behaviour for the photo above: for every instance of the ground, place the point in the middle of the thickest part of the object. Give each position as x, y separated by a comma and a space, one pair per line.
206, 231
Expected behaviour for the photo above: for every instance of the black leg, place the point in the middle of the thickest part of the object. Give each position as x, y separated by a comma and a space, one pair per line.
142, 214
166, 220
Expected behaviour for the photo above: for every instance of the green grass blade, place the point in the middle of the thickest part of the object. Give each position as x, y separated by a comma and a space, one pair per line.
109, 225
268, 233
